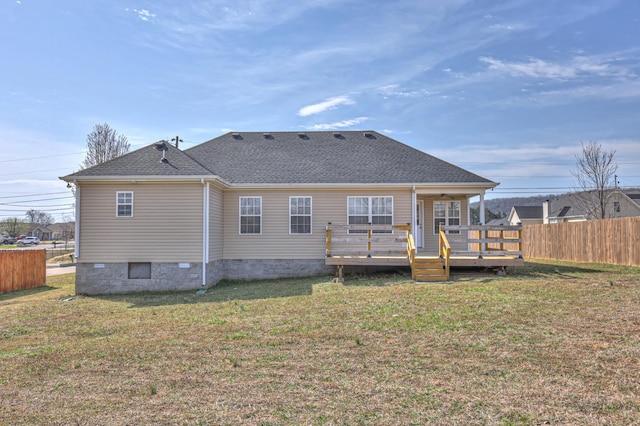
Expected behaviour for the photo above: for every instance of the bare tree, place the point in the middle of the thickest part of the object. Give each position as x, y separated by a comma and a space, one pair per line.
39, 217
13, 227
104, 144
595, 172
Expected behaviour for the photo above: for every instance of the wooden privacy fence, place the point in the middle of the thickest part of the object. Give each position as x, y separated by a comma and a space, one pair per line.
613, 241
20, 269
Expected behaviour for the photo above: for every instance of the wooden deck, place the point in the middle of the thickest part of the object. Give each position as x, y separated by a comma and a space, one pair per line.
385, 245
403, 260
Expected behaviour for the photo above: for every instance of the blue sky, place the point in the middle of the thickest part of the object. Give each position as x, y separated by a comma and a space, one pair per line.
507, 89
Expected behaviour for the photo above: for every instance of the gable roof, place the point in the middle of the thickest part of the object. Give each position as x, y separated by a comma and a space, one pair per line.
147, 161
292, 158
529, 212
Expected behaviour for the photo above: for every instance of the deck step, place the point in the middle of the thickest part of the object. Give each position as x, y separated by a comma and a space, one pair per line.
428, 269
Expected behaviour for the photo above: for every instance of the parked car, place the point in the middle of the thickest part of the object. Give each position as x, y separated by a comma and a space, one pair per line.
7, 240
29, 240
20, 237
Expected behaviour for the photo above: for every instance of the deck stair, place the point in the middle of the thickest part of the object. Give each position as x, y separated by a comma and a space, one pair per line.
428, 269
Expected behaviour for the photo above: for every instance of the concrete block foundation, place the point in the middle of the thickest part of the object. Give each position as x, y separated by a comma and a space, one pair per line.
113, 278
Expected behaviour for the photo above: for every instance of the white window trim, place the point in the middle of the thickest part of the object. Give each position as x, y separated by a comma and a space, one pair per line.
370, 198
118, 203
446, 214
310, 215
240, 214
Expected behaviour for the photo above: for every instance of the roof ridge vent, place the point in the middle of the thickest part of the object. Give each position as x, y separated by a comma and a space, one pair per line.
236, 136
268, 136
338, 135
369, 135
303, 136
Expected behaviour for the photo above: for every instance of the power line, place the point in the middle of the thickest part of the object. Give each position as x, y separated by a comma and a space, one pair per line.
31, 172
37, 158
34, 201
35, 195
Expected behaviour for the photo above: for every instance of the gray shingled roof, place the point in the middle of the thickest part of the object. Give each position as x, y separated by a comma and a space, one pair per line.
529, 212
294, 157
147, 162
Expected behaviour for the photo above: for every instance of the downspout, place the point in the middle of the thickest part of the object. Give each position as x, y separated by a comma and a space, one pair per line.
205, 230
76, 250
414, 217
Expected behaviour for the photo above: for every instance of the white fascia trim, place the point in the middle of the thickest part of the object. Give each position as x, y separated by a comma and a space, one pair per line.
136, 179
432, 188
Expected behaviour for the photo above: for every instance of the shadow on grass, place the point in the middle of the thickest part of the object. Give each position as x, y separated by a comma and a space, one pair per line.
225, 291
378, 279
26, 292
539, 268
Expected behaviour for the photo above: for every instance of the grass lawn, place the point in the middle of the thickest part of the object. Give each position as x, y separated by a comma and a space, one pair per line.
551, 343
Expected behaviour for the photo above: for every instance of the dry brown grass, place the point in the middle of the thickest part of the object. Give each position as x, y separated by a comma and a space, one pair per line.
554, 343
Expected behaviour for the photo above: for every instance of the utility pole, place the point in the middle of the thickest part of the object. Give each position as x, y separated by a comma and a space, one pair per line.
177, 140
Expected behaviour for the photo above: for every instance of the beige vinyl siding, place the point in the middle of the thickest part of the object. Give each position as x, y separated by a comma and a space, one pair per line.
216, 223
276, 242
166, 225
431, 240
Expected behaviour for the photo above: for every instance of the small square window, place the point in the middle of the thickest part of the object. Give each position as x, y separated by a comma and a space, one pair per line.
139, 271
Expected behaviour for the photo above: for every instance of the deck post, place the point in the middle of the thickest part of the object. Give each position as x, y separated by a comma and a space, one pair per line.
328, 241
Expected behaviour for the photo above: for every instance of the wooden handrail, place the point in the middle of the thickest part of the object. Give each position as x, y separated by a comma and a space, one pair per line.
411, 251
444, 250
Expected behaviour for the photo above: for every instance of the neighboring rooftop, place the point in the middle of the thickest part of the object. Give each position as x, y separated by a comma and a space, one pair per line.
529, 212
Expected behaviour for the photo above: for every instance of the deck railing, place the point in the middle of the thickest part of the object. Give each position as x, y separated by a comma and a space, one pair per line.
481, 240
367, 240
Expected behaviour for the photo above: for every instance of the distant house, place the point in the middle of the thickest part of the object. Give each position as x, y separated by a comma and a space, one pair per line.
42, 232
253, 205
525, 215
63, 231
502, 221
582, 206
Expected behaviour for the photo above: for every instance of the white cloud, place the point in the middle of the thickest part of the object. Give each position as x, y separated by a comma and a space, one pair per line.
538, 68
143, 14
395, 91
328, 104
339, 124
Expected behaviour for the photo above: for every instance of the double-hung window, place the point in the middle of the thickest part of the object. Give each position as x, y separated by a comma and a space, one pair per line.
370, 210
445, 213
124, 204
251, 215
299, 215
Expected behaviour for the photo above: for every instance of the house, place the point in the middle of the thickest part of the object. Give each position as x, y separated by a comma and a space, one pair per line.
251, 205
501, 221
62, 231
525, 215
584, 205
40, 231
